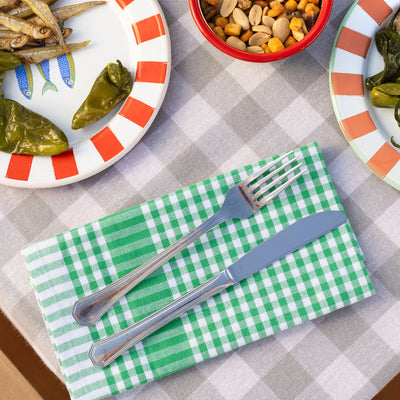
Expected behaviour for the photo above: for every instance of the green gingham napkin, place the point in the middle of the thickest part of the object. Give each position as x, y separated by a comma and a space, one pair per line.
323, 276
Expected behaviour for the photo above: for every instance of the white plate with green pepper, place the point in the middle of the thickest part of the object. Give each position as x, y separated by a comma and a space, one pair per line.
360, 62
94, 103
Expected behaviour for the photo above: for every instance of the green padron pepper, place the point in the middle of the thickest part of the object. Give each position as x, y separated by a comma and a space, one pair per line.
111, 87
22, 131
8, 61
386, 95
388, 44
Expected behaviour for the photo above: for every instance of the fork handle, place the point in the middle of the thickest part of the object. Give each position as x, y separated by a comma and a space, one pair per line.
103, 352
88, 310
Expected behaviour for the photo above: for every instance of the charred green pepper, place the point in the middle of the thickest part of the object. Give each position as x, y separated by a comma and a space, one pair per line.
111, 87
386, 95
8, 61
394, 143
388, 44
22, 131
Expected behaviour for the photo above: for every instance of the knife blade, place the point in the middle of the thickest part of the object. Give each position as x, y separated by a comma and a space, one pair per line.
292, 238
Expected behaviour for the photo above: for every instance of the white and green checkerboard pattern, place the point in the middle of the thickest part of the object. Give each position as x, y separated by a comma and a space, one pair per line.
325, 275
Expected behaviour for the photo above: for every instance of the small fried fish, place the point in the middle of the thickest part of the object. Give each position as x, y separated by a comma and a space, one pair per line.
63, 13
39, 54
27, 28
42, 10
10, 44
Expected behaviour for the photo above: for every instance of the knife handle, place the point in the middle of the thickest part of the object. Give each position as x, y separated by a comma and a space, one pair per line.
103, 352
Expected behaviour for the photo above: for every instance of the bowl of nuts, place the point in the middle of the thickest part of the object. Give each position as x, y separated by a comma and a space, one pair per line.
261, 30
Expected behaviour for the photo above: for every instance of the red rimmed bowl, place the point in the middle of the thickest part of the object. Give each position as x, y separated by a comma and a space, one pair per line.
200, 21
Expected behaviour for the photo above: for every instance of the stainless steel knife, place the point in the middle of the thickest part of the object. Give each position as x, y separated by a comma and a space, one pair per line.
295, 236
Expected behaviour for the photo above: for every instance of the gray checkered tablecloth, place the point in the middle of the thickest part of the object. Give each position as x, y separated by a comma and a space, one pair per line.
220, 114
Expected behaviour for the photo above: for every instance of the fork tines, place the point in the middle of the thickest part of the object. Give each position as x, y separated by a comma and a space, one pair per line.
260, 187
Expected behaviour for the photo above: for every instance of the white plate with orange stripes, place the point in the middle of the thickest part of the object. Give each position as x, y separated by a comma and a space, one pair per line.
354, 58
132, 31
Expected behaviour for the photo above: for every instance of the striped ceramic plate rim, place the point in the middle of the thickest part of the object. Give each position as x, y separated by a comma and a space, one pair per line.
366, 128
104, 148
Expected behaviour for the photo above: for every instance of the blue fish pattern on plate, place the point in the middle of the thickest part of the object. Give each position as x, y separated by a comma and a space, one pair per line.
44, 69
24, 76
24, 80
67, 69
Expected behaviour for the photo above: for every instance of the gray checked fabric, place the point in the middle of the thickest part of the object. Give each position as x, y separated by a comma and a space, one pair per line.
220, 114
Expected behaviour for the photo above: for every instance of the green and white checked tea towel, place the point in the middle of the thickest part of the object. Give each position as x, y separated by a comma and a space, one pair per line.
323, 276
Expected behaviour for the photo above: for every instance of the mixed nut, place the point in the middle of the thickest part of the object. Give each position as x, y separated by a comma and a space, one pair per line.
260, 26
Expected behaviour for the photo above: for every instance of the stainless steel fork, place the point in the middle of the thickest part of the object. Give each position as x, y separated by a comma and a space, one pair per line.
241, 201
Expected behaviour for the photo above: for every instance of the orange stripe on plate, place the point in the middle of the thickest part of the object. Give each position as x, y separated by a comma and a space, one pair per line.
107, 144
376, 9
149, 28
347, 84
353, 42
19, 167
357, 125
384, 160
137, 111
64, 165
124, 3
151, 71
